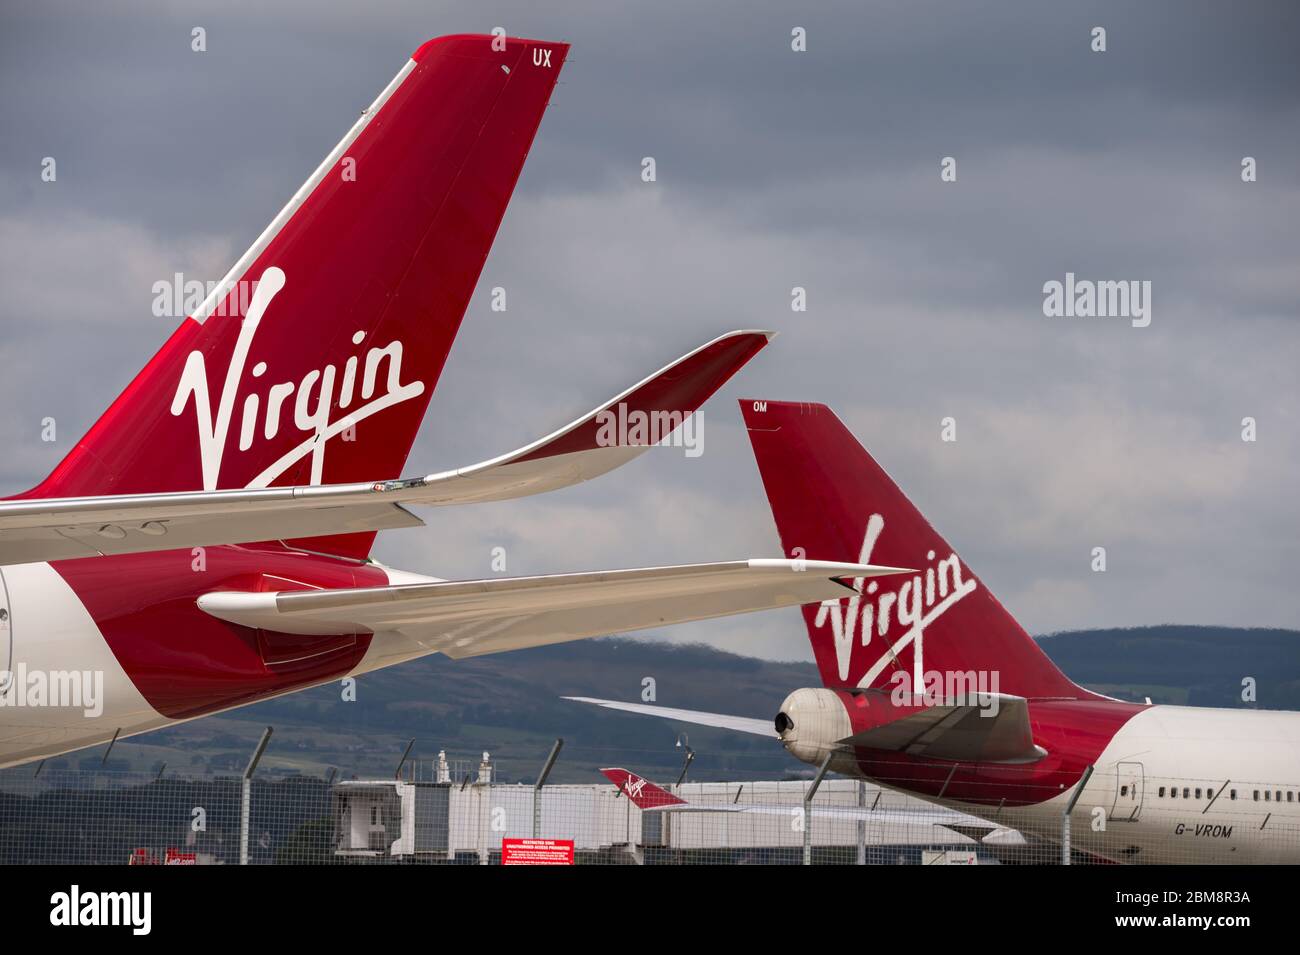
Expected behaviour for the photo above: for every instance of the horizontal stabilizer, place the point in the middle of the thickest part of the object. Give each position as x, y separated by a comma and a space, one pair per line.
996, 730
737, 724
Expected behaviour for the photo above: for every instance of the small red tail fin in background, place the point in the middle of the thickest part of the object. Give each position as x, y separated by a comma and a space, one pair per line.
314, 360
643, 793
832, 501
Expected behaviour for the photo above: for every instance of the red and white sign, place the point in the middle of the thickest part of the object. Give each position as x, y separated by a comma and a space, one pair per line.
173, 857
537, 852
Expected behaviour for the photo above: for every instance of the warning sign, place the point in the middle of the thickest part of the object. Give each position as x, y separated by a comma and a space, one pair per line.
537, 852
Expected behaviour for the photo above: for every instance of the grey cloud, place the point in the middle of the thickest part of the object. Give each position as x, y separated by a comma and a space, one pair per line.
776, 169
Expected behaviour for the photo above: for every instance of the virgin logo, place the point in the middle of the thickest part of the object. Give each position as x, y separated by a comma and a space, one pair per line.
914, 605
634, 785
305, 403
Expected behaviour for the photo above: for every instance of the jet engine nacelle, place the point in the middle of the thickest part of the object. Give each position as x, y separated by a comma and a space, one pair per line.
811, 722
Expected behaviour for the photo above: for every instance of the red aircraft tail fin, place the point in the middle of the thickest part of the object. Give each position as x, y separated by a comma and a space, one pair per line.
643, 793
832, 501
313, 361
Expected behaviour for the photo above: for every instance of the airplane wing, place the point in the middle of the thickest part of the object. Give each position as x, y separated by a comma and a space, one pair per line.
473, 617
61, 528
969, 827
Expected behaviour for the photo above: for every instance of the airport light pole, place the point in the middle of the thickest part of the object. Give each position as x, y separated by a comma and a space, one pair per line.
684, 742
686, 764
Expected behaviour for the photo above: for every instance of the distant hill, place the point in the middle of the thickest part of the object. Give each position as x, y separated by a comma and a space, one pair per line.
1197, 666
510, 705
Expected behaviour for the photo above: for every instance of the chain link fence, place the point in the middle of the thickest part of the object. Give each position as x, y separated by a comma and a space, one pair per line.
453, 811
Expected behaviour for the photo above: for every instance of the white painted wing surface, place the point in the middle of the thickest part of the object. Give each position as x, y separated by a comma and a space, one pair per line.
475, 617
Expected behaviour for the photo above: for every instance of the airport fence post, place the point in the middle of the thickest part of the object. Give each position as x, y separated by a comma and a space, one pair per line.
111, 743
1065, 817
537, 787
807, 808
862, 824
397, 773
246, 795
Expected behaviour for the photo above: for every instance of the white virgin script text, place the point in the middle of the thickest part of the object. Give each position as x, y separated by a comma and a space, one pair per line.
313, 420
915, 605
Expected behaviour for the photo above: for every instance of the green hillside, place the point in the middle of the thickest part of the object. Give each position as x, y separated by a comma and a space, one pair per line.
510, 705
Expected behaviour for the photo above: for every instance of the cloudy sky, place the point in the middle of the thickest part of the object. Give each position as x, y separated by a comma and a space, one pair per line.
776, 169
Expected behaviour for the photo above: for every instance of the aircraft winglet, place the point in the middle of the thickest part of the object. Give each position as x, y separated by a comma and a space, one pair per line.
35, 528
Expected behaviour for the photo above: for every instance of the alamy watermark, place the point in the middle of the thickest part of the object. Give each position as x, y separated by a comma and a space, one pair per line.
1084, 298
67, 689
977, 688
619, 428
133, 910
180, 297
